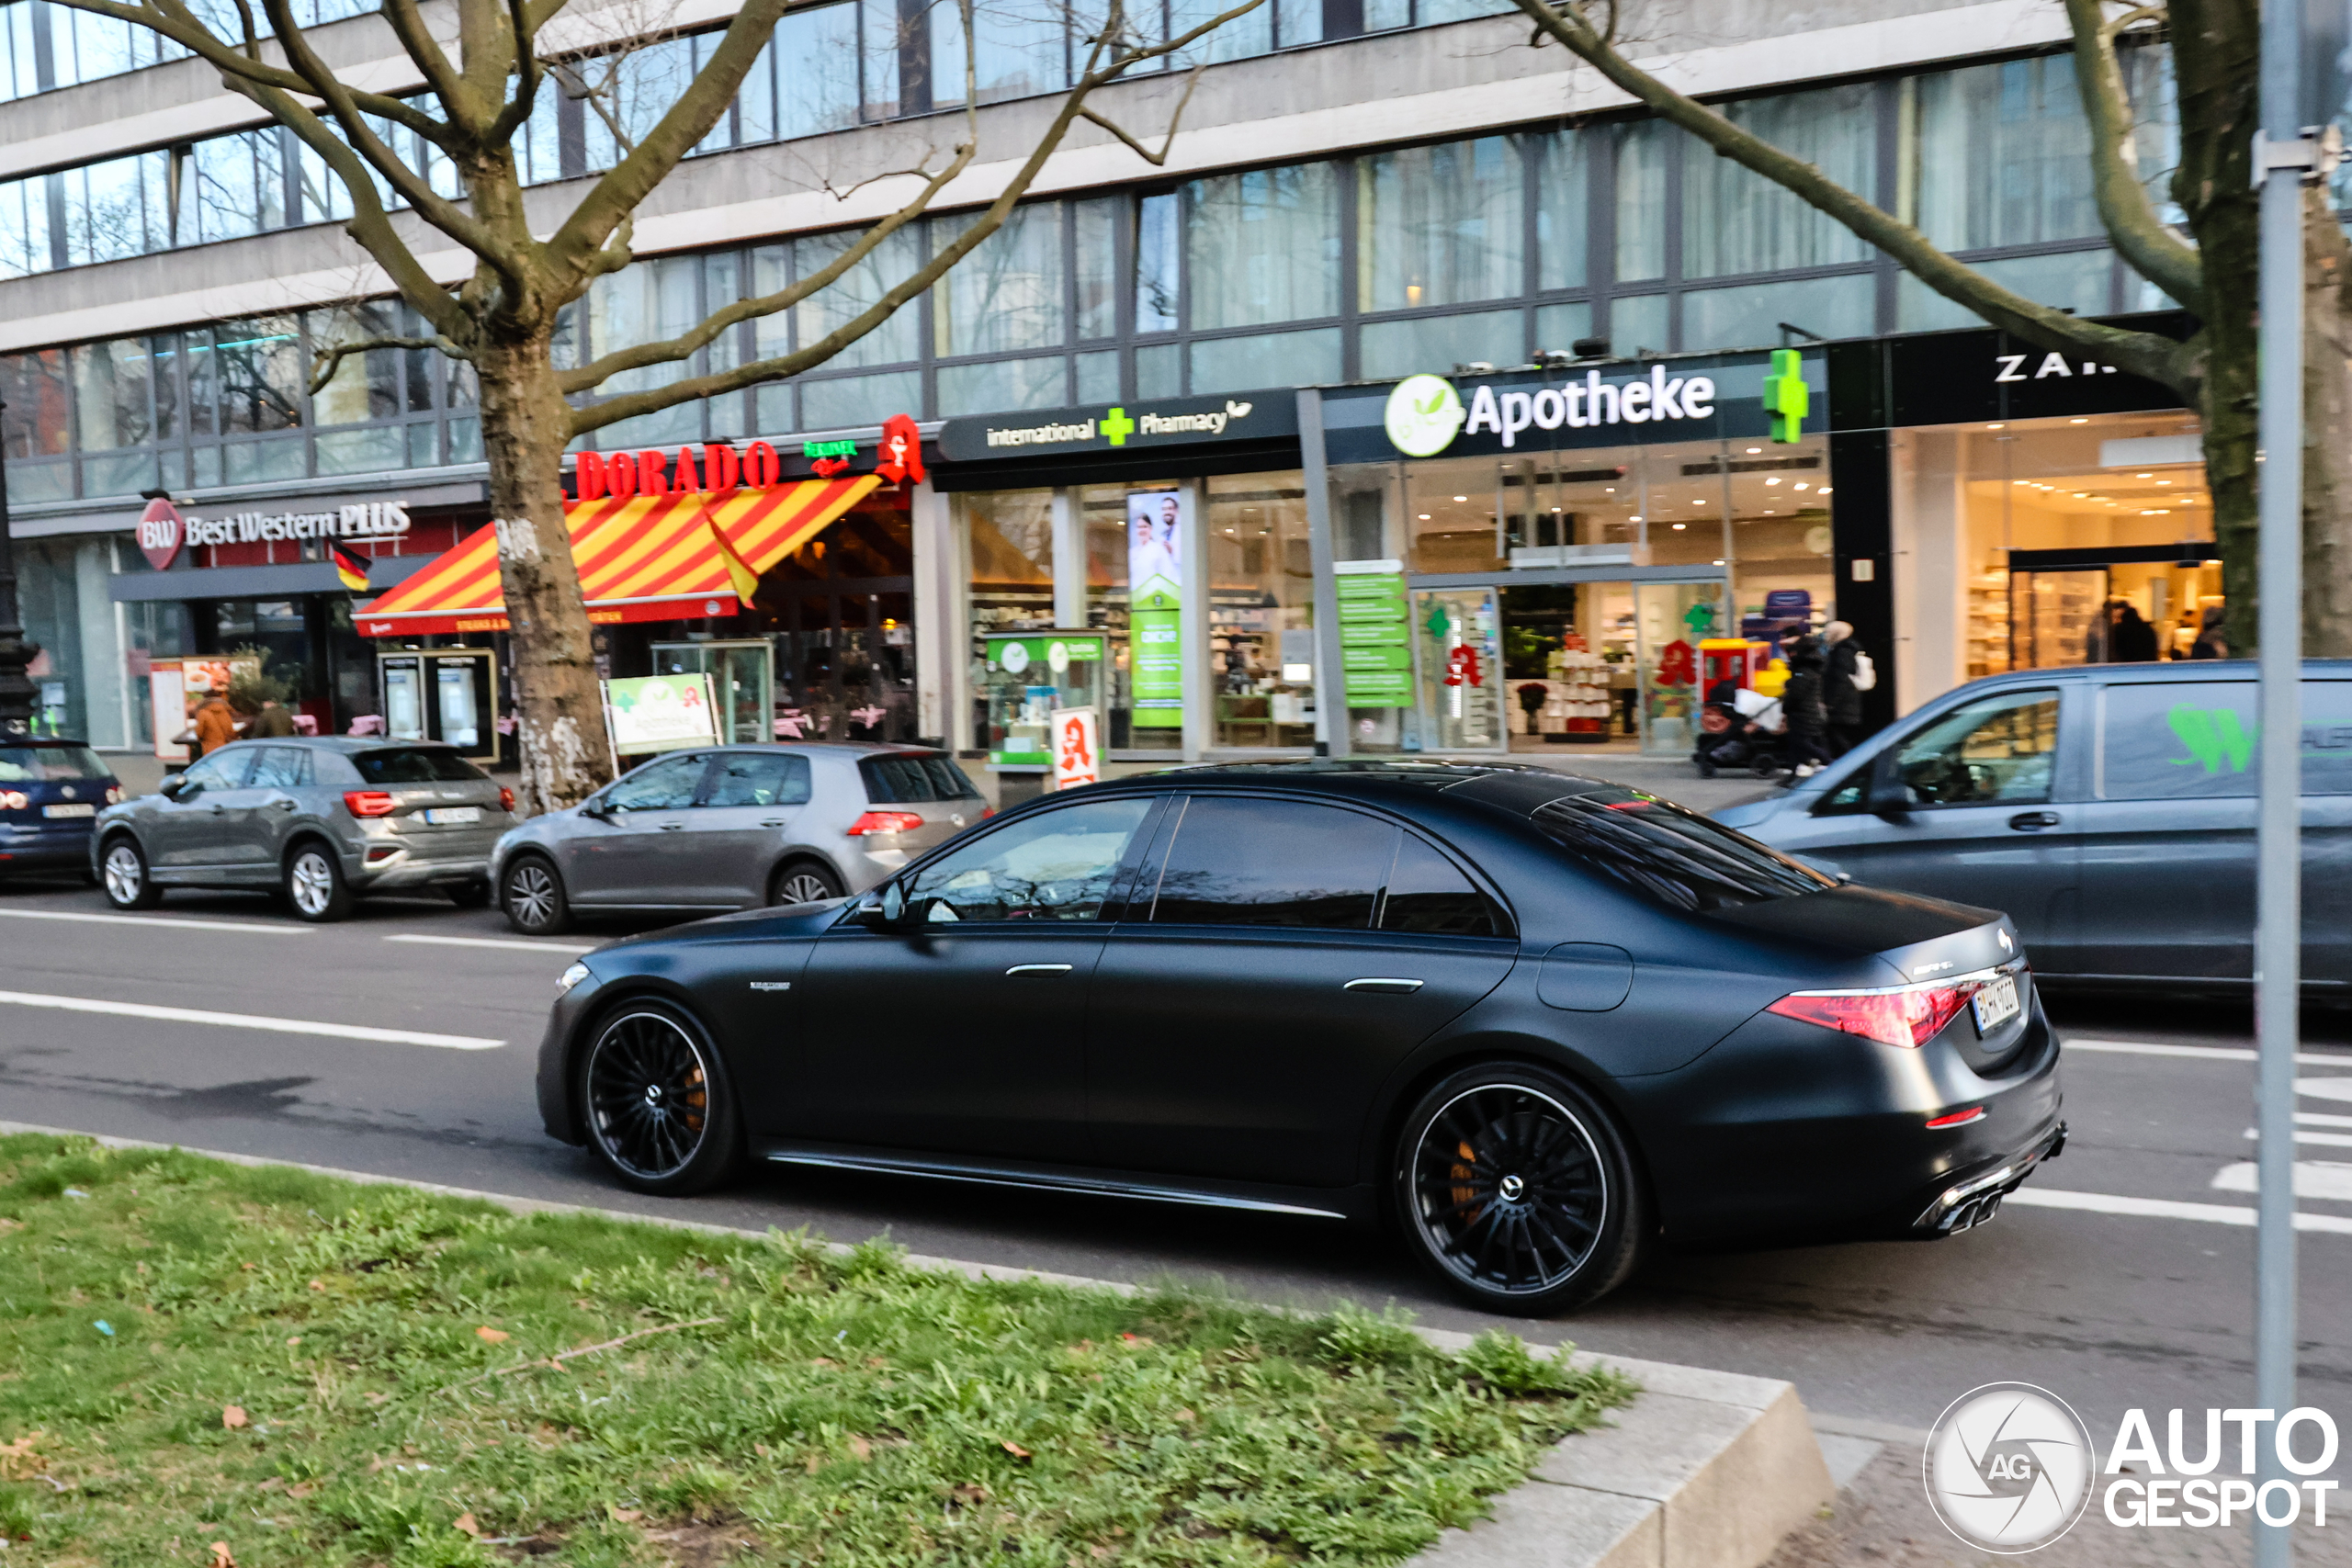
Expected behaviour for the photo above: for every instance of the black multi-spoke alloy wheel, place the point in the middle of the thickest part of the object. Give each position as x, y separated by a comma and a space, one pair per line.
534, 897
1516, 1192
657, 1102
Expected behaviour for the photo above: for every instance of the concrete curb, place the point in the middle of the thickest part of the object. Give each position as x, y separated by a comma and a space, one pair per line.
1706, 1470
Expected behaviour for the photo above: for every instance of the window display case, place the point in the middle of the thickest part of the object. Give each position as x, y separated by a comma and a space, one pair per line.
1027, 677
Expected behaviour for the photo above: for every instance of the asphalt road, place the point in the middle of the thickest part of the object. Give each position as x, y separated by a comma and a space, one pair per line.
2110, 1310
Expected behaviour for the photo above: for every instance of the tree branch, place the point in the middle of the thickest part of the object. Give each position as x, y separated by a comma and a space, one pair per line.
2143, 353
323, 371
2151, 248
528, 75
1097, 75
417, 41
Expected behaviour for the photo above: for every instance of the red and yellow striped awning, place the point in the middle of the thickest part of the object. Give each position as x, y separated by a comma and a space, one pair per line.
640, 559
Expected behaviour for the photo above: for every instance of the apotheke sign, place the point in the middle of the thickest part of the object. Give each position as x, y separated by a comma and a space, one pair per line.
1102, 428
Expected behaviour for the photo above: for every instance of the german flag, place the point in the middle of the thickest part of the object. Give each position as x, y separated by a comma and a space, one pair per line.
349, 566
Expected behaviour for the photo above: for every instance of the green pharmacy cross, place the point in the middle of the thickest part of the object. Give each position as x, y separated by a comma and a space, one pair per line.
1117, 427
1786, 397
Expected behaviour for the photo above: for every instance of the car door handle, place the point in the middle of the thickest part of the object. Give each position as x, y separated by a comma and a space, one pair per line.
670, 827
1020, 970
283, 803
2032, 821
774, 821
1388, 985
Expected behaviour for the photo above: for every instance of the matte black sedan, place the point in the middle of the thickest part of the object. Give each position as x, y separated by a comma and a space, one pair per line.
1533, 1022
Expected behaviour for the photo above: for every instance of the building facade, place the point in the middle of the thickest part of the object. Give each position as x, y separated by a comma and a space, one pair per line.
1363, 191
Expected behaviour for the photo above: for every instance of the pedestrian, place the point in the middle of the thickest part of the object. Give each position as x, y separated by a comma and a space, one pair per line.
2132, 640
1800, 700
2212, 642
215, 725
1841, 692
271, 722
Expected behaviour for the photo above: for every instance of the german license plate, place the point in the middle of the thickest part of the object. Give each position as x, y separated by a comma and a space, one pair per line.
1996, 1005
69, 811
456, 816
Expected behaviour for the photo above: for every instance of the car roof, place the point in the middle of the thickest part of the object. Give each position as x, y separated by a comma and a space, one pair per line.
2158, 670
832, 748
1517, 788
341, 742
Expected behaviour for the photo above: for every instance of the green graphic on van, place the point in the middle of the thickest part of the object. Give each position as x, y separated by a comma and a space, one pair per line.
2216, 740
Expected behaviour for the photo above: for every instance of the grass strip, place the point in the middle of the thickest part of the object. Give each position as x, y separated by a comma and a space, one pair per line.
210, 1364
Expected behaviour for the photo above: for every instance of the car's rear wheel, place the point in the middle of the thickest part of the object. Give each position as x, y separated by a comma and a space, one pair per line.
123, 872
803, 882
659, 1110
1515, 1189
534, 897
313, 883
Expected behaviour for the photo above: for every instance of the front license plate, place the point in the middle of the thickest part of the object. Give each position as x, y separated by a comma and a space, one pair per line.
69, 811
453, 816
1996, 1005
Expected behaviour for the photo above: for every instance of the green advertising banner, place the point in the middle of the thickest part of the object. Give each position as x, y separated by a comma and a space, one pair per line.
1376, 648
1156, 531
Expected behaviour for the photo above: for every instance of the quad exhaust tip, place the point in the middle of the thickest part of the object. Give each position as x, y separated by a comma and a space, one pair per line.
1970, 1204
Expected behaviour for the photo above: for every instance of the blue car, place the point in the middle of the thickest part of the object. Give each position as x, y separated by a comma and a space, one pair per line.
52, 791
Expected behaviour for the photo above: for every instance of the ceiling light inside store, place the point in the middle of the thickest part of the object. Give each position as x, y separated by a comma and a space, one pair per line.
1996, 427
1802, 485
1425, 517
2143, 476
1679, 526
1461, 498
2079, 421
2157, 511
1774, 480
1753, 450
1768, 511
1823, 491
2161, 483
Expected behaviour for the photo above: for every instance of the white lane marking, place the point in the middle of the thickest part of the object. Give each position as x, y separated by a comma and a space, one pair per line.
2325, 1089
499, 941
2164, 1209
2319, 1119
289, 929
2336, 1140
2328, 1180
2207, 1053
250, 1020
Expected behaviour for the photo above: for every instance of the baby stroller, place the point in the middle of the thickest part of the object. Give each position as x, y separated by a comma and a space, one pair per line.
1738, 729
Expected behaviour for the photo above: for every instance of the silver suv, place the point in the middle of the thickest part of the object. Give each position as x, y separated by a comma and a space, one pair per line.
733, 828
324, 819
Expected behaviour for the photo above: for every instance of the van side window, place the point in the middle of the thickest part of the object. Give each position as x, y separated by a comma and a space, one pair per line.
2195, 740
1996, 750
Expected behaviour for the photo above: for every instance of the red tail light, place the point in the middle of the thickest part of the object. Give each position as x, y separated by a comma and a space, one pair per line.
884, 822
371, 802
506, 798
1905, 1015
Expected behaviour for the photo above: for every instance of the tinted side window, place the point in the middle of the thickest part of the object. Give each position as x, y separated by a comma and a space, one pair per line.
280, 767
1274, 863
664, 785
1428, 893
1057, 865
760, 778
1678, 857
415, 764
2196, 740
1999, 749
910, 781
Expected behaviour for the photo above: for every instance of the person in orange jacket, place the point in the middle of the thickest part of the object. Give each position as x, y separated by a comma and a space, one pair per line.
216, 726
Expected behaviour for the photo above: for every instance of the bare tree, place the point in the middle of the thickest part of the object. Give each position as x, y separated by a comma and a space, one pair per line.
2210, 269
483, 64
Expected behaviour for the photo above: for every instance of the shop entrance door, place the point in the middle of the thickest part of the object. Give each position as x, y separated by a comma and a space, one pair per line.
742, 679
2055, 616
1458, 649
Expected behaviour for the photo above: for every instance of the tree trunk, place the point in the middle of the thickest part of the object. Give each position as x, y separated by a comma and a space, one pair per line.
524, 425
2327, 425
2226, 406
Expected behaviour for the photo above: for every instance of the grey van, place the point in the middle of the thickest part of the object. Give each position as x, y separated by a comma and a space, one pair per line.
2107, 809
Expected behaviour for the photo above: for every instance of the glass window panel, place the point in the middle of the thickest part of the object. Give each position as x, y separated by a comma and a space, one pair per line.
1437, 344
123, 473
1273, 863
361, 451
1735, 220
1271, 360
897, 339
2001, 155
34, 424
251, 462
2077, 280
1440, 225
364, 386
1639, 326
165, 387
1160, 371
1262, 617
1379, 15
465, 440
1298, 21
1999, 749
817, 47
883, 36
721, 135
222, 189
1238, 39
1643, 150
107, 206
1557, 327
111, 393
1263, 246
848, 401
1098, 377
1749, 317
1157, 264
1428, 892
1058, 865
632, 91
1017, 51
260, 371
24, 226
722, 275
1563, 209
1007, 294
539, 150
771, 272
1040, 383
202, 368
19, 79
1095, 229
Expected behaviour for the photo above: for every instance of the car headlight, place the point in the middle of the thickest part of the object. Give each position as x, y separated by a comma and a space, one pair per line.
572, 976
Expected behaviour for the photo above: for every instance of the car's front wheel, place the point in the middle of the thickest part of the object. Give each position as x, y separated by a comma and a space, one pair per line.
659, 1110
1515, 1189
123, 872
314, 885
534, 898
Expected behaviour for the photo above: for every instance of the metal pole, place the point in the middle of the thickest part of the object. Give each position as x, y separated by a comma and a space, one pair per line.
17, 690
2278, 831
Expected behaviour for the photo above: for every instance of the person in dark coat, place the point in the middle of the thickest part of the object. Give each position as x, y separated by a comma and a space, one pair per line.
1841, 698
1800, 700
2212, 639
2131, 640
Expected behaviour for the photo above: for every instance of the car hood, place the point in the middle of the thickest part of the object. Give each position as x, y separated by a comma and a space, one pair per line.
745, 925
1919, 939
1747, 813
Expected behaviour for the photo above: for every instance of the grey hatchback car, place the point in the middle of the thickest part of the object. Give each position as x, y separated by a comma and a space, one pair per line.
322, 820
2107, 809
733, 828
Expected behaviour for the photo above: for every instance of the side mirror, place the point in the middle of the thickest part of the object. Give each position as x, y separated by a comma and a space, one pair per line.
594, 807
883, 912
1885, 795
173, 787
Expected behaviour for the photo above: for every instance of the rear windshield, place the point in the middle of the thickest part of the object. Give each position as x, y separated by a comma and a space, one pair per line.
414, 764
911, 780
21, 764
1678, 857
